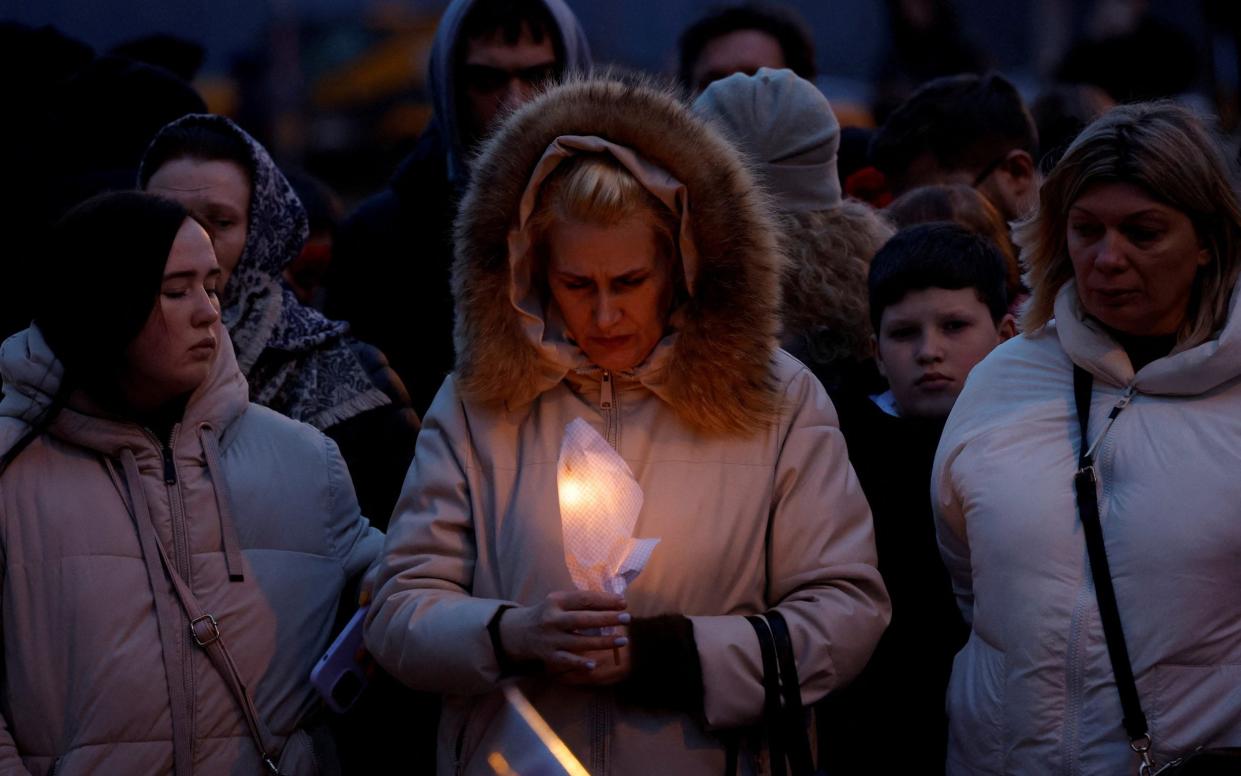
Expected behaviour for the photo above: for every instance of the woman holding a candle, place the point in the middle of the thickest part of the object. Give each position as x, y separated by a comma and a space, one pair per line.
616, 264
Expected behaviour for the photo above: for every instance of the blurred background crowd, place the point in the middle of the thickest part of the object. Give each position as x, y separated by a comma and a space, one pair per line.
338, 90
338, 87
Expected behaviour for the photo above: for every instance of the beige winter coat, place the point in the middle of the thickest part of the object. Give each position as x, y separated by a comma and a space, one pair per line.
735, 445
92, 640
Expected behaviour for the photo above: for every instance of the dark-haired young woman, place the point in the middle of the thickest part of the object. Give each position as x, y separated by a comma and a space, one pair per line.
171, 555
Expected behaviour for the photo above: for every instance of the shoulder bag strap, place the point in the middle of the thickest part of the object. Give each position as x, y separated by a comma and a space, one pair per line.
204, 628
771, 690
1088, 508
800, 760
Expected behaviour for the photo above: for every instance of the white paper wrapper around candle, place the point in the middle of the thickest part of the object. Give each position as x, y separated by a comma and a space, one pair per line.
599, 506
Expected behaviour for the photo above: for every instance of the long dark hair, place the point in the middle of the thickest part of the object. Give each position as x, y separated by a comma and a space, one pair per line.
101, 279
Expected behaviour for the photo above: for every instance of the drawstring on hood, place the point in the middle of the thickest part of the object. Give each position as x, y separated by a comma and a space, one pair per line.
130, 489
223, 501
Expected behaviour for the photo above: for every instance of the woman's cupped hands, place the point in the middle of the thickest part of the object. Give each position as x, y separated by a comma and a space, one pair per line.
578, 635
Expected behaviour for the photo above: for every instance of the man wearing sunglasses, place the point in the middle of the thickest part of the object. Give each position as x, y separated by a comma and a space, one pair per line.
966, 129
390, 272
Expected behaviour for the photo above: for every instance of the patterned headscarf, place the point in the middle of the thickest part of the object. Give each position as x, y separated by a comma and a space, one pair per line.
297, 362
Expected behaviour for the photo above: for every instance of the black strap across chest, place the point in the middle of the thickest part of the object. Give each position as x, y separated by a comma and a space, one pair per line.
1086, 483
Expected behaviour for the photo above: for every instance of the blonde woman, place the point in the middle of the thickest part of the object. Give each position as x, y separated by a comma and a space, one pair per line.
1133, 258
616, 264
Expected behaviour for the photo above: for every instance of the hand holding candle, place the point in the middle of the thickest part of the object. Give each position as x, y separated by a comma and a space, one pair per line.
599, 506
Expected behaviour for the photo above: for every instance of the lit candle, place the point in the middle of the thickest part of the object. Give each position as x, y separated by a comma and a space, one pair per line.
599, 505
581, 497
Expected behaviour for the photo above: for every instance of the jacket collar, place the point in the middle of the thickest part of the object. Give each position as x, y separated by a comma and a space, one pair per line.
220, 400
1183, 372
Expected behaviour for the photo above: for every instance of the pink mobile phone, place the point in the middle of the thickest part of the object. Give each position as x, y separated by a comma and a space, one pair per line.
340, 676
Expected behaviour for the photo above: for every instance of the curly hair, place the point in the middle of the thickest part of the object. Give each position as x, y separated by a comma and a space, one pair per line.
824, 282
1166, 151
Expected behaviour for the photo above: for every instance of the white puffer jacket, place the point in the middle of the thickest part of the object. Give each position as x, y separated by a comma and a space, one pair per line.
1033, 689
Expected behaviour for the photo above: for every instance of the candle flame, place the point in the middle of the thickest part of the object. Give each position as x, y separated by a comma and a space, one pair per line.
573, 493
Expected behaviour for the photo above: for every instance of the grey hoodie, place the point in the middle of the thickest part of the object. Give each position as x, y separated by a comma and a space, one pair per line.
443, 70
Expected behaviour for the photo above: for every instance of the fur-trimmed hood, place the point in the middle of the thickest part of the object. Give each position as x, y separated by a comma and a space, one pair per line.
715, 366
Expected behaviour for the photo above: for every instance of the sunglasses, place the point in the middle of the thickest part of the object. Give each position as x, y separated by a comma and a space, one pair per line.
487, 79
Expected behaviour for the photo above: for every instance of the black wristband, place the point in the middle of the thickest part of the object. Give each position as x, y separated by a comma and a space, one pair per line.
508, 666
665, 671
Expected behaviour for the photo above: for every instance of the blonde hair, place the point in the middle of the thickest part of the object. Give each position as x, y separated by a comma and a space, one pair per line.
824, 296
597, 189
962, 205
1166, 151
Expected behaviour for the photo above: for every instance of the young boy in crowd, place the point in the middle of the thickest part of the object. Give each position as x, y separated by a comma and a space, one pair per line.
938, 305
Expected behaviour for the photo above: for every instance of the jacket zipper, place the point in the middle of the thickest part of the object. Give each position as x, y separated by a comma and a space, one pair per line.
1075, 680
609, 406
466, 716
181, 551
599, 713
180, 557
601, 730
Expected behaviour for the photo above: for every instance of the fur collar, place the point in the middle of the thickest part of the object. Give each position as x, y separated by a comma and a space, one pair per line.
718, 375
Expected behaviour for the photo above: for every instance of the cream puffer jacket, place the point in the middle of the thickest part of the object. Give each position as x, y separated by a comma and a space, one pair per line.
93, 640
1033, 692
736, 447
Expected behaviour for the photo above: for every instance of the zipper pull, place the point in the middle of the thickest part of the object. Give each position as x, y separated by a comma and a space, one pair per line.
1125, 398
170, 469
605, 391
